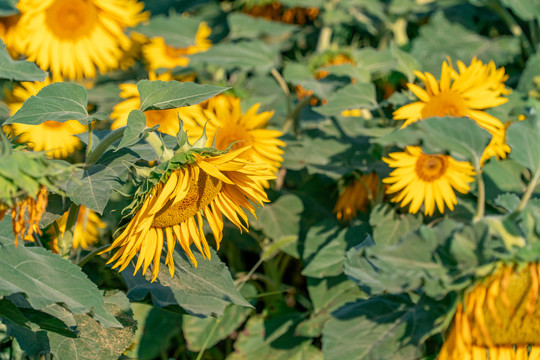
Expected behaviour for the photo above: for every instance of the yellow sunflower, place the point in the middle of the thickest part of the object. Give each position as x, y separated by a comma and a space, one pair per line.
172, 211
160, 55
357, 196
276, 11
226, 124
56, 138
465, 92
9, 34
429, 179
70, 38
166, 119
499, 318
86, 231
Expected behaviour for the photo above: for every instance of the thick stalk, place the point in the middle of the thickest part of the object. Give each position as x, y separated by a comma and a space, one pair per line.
155, 142
107, 141
89, 145
89, 256
481, 201
528, 192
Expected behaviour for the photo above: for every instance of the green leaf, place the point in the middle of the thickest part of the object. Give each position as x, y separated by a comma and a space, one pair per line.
57, 102
162, 95
462, 137
246, 26
135, 129
8, 7
352, 96
197, 330
20, 70
407, 63
93, 187
177, 30
246, 55
532, 70
523, 138
203, 290
389, 226
47, 279
94, 342
525, 9
440, 39
383, 327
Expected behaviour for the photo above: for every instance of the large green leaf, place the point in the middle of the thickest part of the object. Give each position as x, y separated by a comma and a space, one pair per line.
245, 55
177, 31
462, 137
162, 95
20, 70
383, 327
389, 226
58, 102
524, 140
47, 279
203, 290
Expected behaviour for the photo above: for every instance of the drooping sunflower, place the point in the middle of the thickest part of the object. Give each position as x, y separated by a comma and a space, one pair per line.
86, 231
499, 318
226, 124
166, 119
160, 55
273, 10
172, 201
70, 38
465, 92
420, 178
357, 196
56, 138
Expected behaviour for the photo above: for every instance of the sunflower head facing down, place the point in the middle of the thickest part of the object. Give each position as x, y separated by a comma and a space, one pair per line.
71, 38
420, 178
499, 318
465, 92
357, 196
170, 204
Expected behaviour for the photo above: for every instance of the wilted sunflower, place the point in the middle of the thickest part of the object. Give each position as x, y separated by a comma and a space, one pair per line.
225, 123
166, 119
70, 38
56, 138
462, 93
499, 318
24, 179
86, 231
420, 178
273, 10
171, 202
160, 55
357, 196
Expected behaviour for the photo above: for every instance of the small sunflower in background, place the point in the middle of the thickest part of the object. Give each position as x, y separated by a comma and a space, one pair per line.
420, 178
56, 138
170, 203
273, 10
224, 122
465, 92
86, 232
357, 196
71, 38
166, 119
158, 54
498, 318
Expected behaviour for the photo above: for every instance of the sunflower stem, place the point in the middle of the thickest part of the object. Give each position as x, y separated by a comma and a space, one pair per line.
284, 87
528, 192
90, 255
481, 201
156, 143
66, 241
89, 145
107, 141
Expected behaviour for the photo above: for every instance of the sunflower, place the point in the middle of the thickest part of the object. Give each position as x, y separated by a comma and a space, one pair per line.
498, 319
86, 231
70, 38
430, 179
160, 55
206, 183
134, 52
275, 11
9, 34
56, 138
462, 93
356, 196
166, 119
226, 124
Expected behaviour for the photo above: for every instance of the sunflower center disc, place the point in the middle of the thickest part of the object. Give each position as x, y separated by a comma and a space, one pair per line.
227, 135
446, 103
431, 167
201, 193
71, 19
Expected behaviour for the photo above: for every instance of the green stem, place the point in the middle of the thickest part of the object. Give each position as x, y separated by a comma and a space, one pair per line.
284, 87
155, 142
66, 242
207, 340
325, 36
89, 145
481, 201
528, 192
107, 141
294, 117
89, 256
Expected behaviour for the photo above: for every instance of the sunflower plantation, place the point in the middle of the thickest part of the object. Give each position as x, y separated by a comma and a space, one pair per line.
270, 179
